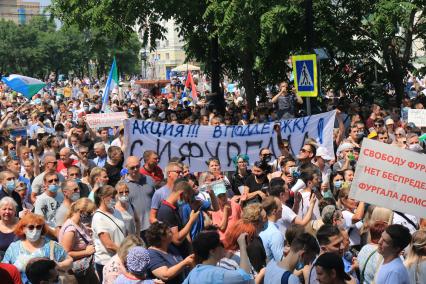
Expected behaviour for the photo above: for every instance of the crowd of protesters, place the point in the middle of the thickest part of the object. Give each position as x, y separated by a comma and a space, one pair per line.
73, 209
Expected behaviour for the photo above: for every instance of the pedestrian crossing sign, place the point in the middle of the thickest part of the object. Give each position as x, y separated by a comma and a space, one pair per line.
305, 75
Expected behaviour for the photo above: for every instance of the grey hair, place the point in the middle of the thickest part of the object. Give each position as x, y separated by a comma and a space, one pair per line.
99, 145
8, 200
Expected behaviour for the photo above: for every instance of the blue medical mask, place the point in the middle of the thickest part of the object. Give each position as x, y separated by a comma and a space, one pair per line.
265, 226
10, 185
338, 184
53, 188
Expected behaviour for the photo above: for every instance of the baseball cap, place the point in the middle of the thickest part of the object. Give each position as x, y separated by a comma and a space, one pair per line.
389, 121
330, 260
323, 153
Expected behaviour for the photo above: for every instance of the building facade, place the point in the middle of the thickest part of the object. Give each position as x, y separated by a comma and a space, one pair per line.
20, 12
168, 54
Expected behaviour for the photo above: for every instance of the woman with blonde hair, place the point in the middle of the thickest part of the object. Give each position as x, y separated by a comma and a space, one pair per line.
76, 239
252, 222
416, 258
8, 221
116, 265
353, 214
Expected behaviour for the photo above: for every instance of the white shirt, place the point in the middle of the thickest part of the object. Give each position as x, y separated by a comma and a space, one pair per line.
116, 231
354, 235
287, 218
304, 206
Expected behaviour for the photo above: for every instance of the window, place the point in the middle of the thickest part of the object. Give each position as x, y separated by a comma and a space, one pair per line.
167, 56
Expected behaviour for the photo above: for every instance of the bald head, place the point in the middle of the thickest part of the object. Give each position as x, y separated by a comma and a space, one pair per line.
65, 154
131, 161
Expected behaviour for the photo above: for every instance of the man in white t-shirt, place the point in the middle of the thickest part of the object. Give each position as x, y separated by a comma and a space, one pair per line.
394, 239
280, 189
48, 202
311, 180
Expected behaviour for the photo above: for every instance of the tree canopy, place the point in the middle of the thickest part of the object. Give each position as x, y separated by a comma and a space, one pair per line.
368, 41
39, 47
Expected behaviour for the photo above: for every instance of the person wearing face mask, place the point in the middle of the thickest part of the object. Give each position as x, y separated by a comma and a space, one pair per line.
303, 251
169, 214
256, 184
414, 143
75, 237
71, 193
48, 202
98, 177
108, 227
336, 183
31, 231
126, 209
8, 185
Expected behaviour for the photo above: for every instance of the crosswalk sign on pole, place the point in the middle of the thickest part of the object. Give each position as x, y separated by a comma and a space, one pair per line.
305, 75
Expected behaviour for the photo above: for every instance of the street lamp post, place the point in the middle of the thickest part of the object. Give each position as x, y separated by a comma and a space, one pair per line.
309, 30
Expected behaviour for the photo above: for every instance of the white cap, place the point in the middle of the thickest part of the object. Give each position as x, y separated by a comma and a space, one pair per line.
323, 153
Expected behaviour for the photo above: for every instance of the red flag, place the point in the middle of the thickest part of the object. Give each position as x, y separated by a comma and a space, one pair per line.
190, 82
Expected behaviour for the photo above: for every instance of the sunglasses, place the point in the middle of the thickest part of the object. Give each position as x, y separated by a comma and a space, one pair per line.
124, 192
303, 150
32, 227
134, 168
52, 180
178, 172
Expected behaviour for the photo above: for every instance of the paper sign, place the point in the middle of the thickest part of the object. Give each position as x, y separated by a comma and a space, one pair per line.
198, 143
417, 116
96, 120
391, 177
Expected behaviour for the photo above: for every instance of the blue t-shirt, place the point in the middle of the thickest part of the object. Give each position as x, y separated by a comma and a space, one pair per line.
209, 274
393, 272
122, 279
159, 195
185, 212
274, 273
17, 255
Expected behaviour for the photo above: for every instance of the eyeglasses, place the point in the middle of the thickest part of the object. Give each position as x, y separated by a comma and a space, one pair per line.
12, 148
303, 150
75, 189
179, 172
378, 124
124, 192
84, 153
398, 134
267, 154
134, 168
52, 180
32, 227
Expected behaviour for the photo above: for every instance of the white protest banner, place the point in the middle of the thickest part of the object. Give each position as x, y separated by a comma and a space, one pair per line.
417, 116
95, 120
199, 143
390, 177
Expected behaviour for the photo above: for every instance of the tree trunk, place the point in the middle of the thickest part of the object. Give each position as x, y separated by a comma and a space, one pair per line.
219, 100
248, 80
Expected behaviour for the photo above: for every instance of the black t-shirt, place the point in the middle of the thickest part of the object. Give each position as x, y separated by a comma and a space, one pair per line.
113, 173
159, 259
169, 214
254, 186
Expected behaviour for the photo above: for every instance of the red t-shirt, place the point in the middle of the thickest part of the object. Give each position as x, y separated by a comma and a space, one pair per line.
9, 274
62, 169
157, 175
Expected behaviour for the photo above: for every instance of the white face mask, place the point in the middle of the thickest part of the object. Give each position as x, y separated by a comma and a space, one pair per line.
33, 235
123, 198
